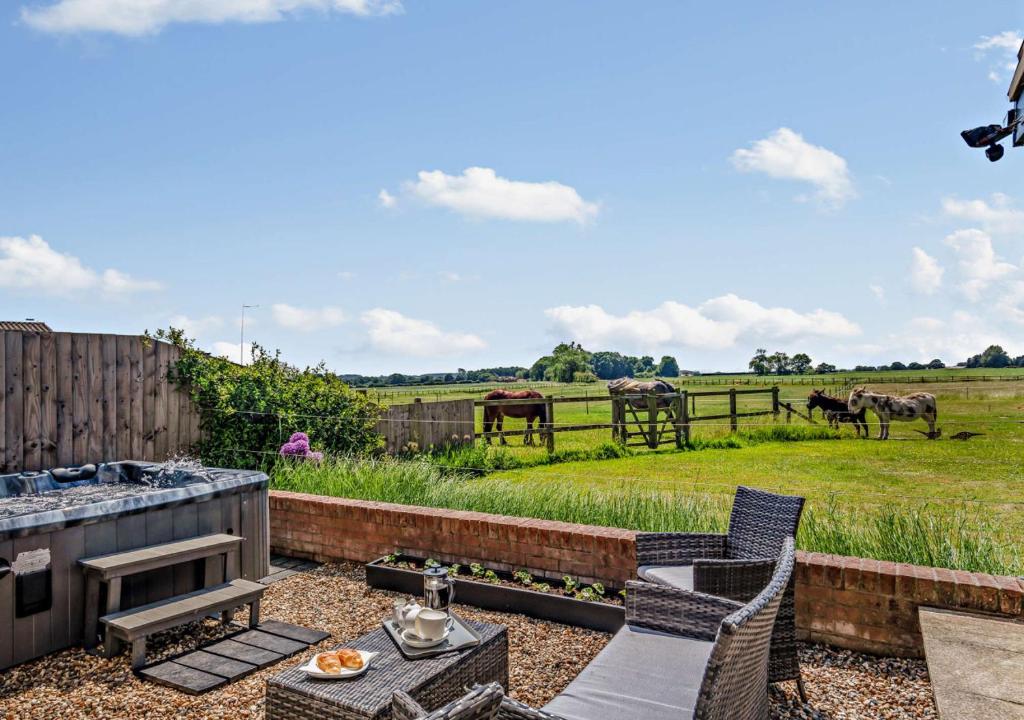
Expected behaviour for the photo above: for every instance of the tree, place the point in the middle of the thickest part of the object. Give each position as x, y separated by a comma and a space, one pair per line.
610, 365
646, 364
936, 364
897, 366
915, 366
566, 361
668, 367
824, 368
759, 363
780, 363
539, 368
800, 363
993, 357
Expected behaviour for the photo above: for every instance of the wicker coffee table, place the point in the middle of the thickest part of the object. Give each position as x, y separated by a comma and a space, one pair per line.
432, 682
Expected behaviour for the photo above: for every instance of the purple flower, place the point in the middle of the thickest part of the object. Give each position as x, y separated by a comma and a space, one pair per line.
301, 446
315, 456
296, 436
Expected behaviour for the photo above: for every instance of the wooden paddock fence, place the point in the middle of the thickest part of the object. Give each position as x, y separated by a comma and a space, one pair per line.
77, 398
656, 419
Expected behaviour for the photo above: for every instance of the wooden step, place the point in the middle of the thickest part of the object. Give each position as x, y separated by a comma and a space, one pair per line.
136, 624
159, 556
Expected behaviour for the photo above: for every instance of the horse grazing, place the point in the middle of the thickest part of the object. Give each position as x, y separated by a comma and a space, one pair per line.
528, 410
893, 407
629, 386
837, 411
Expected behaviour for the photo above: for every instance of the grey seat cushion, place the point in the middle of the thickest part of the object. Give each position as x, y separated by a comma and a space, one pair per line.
640, 675
679, 576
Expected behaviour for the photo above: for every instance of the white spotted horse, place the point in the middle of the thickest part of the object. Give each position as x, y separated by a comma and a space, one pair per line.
905, 408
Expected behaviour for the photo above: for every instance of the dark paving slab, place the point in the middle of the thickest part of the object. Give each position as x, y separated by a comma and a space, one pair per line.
182, 677
292, 632
208, 662
274, 643
245, 653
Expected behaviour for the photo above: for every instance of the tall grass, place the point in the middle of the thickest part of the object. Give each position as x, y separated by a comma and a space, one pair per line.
918, 534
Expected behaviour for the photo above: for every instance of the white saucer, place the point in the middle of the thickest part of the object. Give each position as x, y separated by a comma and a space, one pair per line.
313, 671
415, 641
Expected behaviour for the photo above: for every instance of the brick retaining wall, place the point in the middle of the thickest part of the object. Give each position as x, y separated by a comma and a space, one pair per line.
854, 603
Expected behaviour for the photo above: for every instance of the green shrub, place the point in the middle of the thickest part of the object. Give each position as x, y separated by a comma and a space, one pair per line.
247, 412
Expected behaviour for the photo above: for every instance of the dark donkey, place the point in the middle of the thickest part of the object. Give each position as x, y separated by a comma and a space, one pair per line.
528, 410
836, 411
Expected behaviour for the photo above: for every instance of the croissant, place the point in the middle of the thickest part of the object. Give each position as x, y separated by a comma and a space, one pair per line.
328, 662
350, 658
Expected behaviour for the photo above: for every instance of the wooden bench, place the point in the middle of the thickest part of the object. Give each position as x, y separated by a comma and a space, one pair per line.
110, 569
136, 624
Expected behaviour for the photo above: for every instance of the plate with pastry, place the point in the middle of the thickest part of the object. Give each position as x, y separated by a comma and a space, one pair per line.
338, 664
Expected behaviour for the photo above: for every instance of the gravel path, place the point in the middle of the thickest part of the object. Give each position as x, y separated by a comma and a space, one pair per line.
544, 657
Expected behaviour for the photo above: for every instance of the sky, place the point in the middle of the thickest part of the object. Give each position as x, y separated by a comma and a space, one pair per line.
411, 186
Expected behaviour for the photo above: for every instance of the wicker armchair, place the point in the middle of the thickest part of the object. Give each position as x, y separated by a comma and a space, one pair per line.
722, 678
736, 566
480, 703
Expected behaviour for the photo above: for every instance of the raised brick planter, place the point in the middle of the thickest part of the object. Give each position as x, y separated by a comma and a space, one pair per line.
854, 603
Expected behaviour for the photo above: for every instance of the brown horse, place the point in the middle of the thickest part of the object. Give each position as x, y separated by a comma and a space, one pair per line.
530, 411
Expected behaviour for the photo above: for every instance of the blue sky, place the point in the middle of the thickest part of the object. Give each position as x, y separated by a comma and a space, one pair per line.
413, 186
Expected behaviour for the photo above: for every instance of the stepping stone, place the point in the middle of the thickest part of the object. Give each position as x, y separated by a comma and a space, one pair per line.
244, 653
292, 632
267, 641
226, 668
182, 677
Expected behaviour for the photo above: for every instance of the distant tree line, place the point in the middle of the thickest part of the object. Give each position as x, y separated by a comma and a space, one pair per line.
570, 362
484, 375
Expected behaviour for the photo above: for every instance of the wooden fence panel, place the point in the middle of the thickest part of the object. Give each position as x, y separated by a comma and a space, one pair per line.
421, 426
74, 398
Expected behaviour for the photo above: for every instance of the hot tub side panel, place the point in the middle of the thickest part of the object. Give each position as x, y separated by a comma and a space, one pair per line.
242, 513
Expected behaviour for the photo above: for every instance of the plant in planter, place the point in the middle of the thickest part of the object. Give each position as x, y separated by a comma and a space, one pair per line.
567, 601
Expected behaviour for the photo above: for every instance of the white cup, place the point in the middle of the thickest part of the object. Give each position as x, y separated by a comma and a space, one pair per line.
431, 624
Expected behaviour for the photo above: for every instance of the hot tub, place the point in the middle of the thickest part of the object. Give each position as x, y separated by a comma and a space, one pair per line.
49, 520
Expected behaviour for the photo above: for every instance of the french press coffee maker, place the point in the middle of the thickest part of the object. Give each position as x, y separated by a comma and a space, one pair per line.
438, 588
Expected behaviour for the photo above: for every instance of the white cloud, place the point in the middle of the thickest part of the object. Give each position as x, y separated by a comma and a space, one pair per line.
925, 272
878, 291
306, 319
716, 324
785, 154
450, 276
480, 192
30, 263
386, 199
392, 332
197, 327
1002, 49
144, 17
232, 351
979, 265
346, 275
995, 216
1011, 302
954, 340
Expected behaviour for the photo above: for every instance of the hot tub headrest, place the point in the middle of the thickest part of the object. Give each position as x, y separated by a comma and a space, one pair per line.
67, 475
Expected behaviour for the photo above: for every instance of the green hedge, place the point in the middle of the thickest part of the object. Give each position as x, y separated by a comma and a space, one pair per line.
248, 412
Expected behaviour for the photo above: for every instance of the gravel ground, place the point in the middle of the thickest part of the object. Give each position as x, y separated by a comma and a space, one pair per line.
544, 657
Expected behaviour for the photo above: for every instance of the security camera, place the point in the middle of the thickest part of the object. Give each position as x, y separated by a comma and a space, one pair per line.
994, 152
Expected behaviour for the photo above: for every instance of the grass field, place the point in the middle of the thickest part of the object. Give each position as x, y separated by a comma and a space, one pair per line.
944, 502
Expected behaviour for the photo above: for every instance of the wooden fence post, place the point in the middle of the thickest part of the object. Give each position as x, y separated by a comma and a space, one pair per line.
652, 421
550, 408
732, 410
682, 421
775, 402
618, 415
